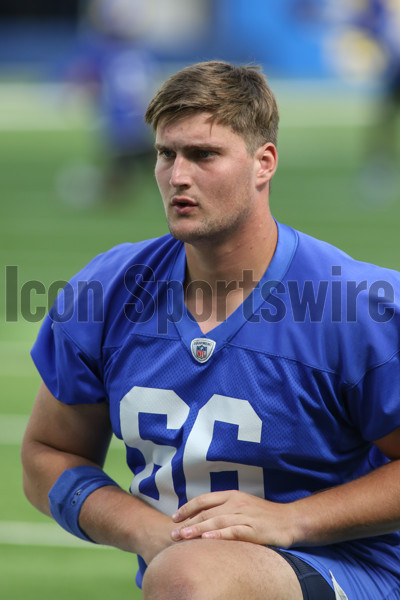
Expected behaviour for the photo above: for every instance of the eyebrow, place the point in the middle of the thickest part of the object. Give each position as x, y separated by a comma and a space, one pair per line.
191, 147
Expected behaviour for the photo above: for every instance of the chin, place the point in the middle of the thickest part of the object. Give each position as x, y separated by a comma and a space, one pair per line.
184, 234
191, 234
187, 237
197, 238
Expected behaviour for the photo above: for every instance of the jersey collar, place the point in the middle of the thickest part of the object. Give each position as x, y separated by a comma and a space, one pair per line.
188, 327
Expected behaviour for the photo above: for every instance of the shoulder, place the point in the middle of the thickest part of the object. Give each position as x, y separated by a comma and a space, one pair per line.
114, 263
326, 261
93, 298
346, 311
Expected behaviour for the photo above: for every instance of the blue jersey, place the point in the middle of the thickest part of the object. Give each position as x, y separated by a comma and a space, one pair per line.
282, 399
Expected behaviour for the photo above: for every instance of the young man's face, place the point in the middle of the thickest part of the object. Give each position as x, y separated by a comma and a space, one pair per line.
206, 178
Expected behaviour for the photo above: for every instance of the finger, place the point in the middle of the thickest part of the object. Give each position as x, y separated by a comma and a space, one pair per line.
185, 533
204, 515
198, 504
242, 533
196, 530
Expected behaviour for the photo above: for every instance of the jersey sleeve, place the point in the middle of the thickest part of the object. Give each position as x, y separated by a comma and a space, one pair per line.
373, 399
71, 375
68, 349
374, 402
88, 319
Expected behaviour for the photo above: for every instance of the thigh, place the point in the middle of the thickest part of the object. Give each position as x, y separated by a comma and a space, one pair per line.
216, 569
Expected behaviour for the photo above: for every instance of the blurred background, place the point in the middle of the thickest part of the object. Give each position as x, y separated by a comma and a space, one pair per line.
76, 177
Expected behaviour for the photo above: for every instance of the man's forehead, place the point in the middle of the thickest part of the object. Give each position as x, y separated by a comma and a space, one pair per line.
185, 117
193, 129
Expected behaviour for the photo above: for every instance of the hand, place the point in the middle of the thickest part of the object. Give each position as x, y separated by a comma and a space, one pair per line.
234, 515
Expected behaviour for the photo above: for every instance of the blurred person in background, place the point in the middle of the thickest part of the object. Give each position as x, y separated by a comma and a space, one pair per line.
379, 22
364, 47
115, 69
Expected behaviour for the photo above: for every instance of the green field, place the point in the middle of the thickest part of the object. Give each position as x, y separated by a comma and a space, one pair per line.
316, 190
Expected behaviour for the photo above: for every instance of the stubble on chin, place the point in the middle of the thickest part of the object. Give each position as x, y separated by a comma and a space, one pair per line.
205, 233
192, 236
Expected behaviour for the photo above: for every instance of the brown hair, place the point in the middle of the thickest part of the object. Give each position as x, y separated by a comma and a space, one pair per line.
236, 96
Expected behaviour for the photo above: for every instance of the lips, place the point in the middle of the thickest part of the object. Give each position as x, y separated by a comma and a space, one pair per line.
183, 201
183, 205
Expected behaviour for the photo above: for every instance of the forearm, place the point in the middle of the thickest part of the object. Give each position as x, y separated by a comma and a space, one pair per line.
59, 442
365, 507
108, 516
113, 517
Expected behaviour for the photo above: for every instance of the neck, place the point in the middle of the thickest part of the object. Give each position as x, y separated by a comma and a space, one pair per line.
221, 275
227, 260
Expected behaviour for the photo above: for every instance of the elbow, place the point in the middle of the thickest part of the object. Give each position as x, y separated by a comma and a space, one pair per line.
33, 484
26, 485
27, 488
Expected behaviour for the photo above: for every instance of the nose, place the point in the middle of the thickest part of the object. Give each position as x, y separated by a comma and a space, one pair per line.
180, 173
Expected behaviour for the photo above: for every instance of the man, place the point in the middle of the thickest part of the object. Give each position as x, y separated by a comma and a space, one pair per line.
112, 66
264, 438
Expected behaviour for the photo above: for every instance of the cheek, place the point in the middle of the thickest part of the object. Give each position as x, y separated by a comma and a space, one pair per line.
161, 176
234, 187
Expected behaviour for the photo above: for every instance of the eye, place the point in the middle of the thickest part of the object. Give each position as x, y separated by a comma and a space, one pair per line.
205, 154
167, 154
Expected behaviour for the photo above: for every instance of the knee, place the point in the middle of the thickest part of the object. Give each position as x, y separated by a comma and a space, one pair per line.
175, 574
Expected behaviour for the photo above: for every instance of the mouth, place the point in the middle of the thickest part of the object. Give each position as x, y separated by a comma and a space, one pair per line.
183, 205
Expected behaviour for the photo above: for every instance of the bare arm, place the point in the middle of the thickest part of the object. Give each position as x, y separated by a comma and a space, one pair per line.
59, 437
365, 507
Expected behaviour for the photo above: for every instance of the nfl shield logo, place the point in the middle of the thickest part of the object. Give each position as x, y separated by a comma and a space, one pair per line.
202, 349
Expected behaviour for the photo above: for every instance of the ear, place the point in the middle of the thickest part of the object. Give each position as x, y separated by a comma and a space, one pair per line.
266, 163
